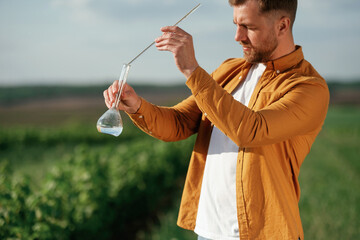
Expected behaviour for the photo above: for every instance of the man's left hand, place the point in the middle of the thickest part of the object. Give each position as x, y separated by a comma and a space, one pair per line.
180, 43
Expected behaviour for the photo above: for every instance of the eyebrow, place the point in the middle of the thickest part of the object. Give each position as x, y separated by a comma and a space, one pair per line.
244, 24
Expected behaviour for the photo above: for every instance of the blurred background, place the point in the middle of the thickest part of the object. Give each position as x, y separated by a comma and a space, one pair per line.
61, 179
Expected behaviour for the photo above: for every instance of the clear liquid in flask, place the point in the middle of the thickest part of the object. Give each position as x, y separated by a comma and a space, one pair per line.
110, 122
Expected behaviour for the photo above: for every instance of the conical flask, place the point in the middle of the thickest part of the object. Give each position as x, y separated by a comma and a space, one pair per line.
110, 122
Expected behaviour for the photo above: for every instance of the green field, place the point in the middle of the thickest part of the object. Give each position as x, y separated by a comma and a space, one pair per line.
82, 182
74, 183
329, 180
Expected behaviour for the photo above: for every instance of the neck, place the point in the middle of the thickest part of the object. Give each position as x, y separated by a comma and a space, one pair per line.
285, 47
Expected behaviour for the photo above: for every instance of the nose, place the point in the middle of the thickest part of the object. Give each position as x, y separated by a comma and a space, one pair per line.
241, 34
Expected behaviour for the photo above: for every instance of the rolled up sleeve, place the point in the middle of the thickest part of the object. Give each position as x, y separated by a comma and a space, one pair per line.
168, 123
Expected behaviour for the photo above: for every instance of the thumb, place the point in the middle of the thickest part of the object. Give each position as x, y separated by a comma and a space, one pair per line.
127, 90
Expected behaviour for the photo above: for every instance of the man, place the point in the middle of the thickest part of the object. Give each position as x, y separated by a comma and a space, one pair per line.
255, 118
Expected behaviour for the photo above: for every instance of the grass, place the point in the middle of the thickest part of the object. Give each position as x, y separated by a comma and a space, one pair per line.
329, 179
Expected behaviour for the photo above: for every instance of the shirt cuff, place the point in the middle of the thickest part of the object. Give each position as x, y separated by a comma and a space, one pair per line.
139, 118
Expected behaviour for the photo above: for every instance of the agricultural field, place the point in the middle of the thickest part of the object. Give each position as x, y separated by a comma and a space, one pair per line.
61, 179
329, 181
70, 183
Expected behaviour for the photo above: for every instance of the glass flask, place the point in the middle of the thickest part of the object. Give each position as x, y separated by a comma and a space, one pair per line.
110, 122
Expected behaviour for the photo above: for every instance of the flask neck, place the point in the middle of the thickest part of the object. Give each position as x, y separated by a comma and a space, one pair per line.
122, 80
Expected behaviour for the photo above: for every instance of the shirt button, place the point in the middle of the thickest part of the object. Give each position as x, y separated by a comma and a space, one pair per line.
205, 114
141, 116
277, 71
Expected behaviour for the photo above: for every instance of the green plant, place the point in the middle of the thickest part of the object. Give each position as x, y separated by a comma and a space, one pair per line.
94, 192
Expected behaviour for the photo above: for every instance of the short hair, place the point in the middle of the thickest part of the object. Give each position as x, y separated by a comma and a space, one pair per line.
288, 6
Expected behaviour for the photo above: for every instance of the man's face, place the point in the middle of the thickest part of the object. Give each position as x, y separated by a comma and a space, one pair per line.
255, 32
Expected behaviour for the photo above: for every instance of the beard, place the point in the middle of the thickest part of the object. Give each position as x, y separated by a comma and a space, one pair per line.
260, 54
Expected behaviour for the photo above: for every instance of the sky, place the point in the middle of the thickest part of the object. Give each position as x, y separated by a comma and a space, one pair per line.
85, 42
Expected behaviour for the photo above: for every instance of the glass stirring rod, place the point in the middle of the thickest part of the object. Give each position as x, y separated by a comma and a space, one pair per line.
110, 122
186, 15
126, 67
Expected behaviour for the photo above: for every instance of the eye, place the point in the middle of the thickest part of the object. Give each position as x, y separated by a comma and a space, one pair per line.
251, 28
244, 27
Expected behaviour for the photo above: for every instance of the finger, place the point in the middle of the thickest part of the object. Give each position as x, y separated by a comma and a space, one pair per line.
168, 29
115, 86
110, 94
174, 29
125, 91
163, 37
170, 36
107, 99
168, 32
168, 44
106, 96
165, 47
112, 91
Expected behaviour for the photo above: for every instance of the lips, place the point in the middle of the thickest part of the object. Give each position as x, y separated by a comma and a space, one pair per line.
246, 48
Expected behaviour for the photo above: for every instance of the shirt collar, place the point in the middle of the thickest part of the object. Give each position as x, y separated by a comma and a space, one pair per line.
281, 64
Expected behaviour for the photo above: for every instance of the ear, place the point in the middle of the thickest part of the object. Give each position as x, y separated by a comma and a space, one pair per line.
283, 25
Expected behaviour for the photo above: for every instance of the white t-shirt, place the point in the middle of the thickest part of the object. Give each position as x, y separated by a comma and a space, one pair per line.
217, 212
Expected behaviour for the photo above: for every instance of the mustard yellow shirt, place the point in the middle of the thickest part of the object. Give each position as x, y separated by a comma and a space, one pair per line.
274, 134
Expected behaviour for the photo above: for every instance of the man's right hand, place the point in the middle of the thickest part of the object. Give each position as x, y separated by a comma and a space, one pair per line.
130, 101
